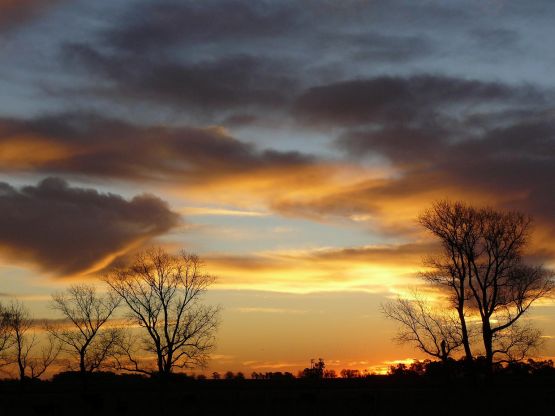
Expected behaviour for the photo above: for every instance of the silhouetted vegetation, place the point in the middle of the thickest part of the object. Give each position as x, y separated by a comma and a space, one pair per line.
83, 333
480, 269
419, 388
278, 375
24, 343
162, 293
315, 371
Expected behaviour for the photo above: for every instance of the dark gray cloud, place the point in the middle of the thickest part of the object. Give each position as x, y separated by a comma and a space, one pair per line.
198, 57
160, 24
220, 56
378, 47
402, 100
88, 144
209, 85
496, 38
66, 230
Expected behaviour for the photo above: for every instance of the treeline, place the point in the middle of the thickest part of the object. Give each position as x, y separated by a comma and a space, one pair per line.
453, 370
163, 326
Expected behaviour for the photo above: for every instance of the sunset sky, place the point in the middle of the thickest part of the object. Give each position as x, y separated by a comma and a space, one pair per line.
290, 144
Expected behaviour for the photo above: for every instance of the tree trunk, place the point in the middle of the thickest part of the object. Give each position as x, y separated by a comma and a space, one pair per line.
464, 333
82, 368
160, 362
488, 346
21, 369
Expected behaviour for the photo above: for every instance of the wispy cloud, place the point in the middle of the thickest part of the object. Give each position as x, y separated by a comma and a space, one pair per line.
270, 310
225, 212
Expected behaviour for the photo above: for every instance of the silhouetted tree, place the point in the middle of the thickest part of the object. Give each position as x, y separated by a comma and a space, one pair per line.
83, 333
330, 374
436, 333
416, 368
163, 295
278, 375
346, 373
6, 339
482, 265
25, 343
316, 370
455, 226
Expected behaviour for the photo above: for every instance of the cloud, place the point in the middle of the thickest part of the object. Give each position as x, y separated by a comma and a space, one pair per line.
89, 144
379, 47
208, 165
205, 58
499, 38
483, 142
402, 100
67, 230
221, 212
166, 22
237, 81
13, 13
190, 56
377, 268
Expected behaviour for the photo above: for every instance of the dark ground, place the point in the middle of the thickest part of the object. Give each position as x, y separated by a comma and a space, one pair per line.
371, 396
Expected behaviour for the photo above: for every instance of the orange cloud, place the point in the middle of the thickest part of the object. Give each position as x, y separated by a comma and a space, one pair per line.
374, 269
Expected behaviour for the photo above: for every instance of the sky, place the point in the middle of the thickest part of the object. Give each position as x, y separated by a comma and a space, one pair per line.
290, 144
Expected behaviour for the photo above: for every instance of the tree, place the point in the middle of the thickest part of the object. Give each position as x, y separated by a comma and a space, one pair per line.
6, 340
316, 370
163, 294
347, 373
482, 265
435, 333
84, 334
330, 374
25, 341
455, 226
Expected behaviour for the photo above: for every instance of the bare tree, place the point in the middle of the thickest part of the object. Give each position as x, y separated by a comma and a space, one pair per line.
515, 343
163, 293
435, 333
482, 264
455, 226
25, 342
6, 339
503, 288
84, 331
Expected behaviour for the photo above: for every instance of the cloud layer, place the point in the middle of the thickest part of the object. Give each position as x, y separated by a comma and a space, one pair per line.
359, 113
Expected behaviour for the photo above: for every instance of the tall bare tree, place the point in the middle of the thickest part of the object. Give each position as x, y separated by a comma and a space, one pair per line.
436, 333
163, 293
455, 226
482, 265
83, 332
30, 364
504, 288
